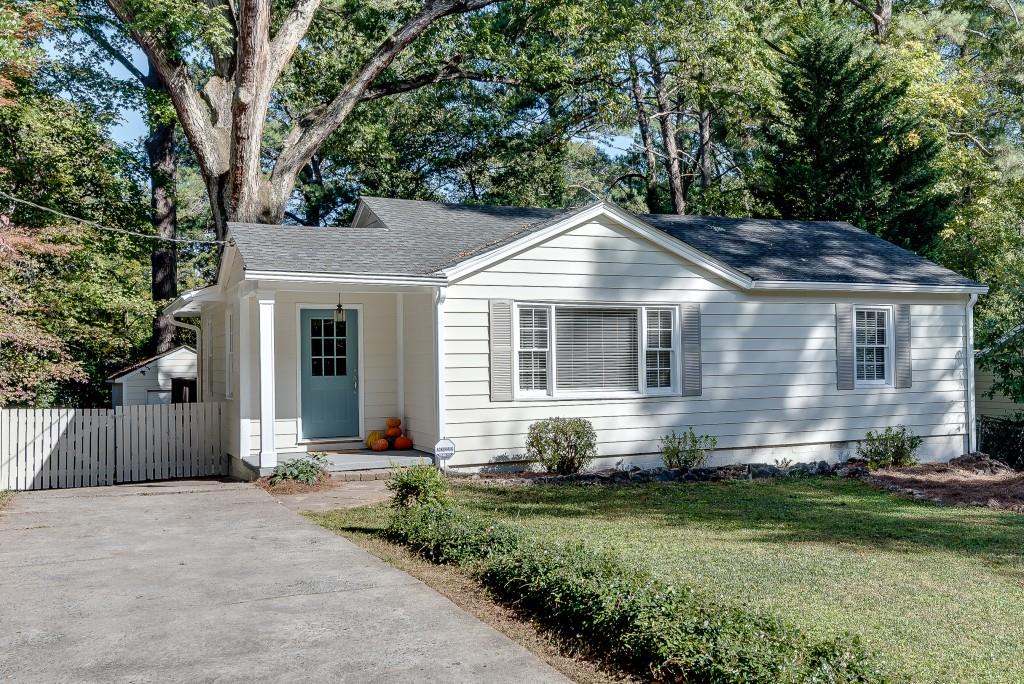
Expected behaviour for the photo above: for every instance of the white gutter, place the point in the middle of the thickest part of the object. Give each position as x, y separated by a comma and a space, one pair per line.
866, 287
355, 278
972, 423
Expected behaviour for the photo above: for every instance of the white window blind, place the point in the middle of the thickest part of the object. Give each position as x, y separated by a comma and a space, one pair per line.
659, 349
871, 345
596, 349
534, 340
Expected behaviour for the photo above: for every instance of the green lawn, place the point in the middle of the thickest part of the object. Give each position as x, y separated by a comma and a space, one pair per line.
936, 593
5, 496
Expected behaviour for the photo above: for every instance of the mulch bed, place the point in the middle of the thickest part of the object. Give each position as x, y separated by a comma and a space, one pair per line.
973, 480
294, 486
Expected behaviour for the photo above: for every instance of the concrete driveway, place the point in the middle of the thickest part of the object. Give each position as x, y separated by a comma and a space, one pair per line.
209, 581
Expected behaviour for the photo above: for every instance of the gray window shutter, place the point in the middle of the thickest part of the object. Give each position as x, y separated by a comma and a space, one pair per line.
904, 365
844, 346
689, 317
500, 311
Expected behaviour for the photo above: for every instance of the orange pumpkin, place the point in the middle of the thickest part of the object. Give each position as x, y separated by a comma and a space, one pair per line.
393, 422
380, 445
403, 442
393, 432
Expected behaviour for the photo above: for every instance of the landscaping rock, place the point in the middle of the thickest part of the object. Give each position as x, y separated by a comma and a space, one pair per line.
980, 464
762, 471
855, 467
748, 471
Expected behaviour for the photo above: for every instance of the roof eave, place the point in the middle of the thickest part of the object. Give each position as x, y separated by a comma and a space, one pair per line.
398, 279
189, 304
813, 286
139, 365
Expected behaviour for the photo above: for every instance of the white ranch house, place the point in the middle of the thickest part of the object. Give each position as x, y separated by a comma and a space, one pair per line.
784, 339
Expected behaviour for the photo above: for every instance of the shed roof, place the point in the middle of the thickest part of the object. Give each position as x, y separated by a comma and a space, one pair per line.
139, 365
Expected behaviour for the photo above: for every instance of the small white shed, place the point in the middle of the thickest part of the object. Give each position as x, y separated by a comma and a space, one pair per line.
168, 378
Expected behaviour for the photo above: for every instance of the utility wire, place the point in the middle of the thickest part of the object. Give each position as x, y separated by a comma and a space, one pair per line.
100, 226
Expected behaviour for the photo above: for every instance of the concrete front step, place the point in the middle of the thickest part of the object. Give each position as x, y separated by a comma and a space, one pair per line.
360, 475
364, 459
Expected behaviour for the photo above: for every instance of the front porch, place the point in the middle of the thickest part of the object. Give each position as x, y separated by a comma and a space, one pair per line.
311, 381
365, 459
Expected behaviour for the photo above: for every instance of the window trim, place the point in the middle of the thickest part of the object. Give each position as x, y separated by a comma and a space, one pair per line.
890, 346
552, 393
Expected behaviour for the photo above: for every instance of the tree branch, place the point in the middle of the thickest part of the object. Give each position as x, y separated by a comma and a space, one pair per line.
101, 41
865, 8
192, 112
288, 37
1013, 11
450, 72
981, 146
306, 138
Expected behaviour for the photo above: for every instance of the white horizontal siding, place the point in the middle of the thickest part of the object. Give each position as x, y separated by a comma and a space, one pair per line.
157, 376
999, 405
420, 393
768, 361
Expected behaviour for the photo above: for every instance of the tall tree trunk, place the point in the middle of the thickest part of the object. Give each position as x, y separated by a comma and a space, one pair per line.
882, 19
668, 135
646, 138
163, 165
164, 217
705, 159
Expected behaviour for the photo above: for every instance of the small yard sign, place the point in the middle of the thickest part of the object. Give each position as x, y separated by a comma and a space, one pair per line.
444, 450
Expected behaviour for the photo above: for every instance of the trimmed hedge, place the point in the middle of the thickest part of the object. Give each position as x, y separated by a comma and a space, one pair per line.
644, 624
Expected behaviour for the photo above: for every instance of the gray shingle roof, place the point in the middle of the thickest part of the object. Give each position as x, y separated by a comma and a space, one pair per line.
415, 238
805, 251
402, 237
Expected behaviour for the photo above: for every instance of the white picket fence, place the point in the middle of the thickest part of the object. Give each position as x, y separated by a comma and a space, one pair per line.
60, 448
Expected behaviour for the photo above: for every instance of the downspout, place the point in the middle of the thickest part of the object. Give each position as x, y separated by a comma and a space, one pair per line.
972, 423
199, 351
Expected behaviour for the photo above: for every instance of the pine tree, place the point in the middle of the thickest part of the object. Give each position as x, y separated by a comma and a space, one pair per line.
845, 147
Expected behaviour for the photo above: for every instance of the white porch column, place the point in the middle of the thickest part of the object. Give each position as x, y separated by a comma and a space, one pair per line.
268, 455
439, 361
243, 393
400, 356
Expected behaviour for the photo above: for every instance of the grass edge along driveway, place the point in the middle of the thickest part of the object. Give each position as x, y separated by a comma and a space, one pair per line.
934, 592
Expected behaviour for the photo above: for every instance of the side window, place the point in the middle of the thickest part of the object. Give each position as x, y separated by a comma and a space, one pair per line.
872, 340
660, 349
534, 347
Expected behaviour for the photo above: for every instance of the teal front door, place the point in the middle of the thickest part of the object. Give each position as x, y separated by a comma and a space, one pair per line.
330, 374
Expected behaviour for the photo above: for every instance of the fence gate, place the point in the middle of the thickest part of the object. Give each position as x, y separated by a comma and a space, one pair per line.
60, 448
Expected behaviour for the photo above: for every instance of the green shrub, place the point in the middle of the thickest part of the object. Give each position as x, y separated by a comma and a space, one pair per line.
688, 450
562, 445
446, 535
895, 446
308, 469
652, 628
416, 485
